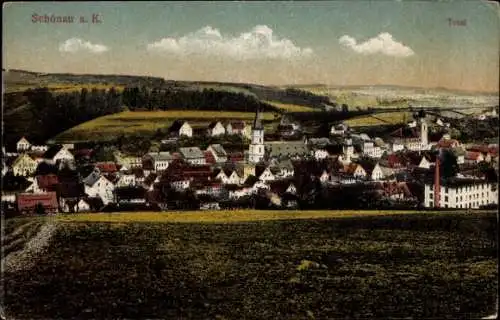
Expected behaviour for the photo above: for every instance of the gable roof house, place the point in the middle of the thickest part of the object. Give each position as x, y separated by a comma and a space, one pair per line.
218, 152
28, 203
193, 155
44, 183
97, 185
159, 160
216, 128
23, 145
473, 157
57, 153
235, 127
107, 168
180, 128
24, 165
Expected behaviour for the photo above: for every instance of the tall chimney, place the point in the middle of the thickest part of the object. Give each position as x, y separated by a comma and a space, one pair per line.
437, 185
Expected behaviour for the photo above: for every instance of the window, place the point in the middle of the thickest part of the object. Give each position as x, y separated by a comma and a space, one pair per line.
446, 190
446, 199
430, 203
430, 195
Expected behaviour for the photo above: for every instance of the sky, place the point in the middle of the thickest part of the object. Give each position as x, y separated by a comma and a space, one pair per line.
450, 44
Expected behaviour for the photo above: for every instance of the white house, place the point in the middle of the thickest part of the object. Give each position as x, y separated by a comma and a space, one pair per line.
325, 177
233, 178
424, 163
180, 184
126, 180
58, 153
160, 160
267, 175
220, 155
462, 193
320, 154
339, 129
100, 187
193, 155
23, 145
39, 148
24, 165
377, 173
216, 129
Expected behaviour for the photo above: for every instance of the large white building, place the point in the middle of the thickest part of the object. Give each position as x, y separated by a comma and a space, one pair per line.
463, 193
256, 149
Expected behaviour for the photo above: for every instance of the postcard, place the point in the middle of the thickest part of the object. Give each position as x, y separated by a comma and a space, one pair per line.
250, 160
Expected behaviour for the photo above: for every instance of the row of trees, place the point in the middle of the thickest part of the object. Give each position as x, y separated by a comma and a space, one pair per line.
50, 114
207, 99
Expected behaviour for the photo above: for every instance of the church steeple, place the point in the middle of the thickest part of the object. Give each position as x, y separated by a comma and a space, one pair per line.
257, 123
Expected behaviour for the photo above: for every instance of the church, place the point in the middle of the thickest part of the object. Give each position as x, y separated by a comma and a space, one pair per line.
259, 151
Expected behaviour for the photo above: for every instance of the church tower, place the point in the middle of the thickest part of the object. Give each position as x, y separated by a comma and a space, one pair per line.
424, 133
256, 150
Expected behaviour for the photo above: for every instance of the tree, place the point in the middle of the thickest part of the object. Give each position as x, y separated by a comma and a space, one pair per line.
39, 209
449, 165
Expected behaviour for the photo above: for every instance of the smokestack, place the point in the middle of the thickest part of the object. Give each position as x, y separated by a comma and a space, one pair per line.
437, 185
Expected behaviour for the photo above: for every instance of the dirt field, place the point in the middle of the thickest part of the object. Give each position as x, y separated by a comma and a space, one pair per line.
420, 266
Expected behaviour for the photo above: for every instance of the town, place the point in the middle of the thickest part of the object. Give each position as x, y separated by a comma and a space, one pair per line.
287, 169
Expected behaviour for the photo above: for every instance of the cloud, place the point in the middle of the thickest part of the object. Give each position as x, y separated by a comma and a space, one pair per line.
383, 43
75, 45
258, 43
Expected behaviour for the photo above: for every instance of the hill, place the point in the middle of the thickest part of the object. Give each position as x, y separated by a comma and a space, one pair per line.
420, 266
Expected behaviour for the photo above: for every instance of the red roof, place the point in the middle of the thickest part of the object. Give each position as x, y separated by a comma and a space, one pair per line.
471, 155
493, 150
394, 161
236, 156
209, 157
237, 125
26, 201
107, 167
447, 143
83, 152
47, 182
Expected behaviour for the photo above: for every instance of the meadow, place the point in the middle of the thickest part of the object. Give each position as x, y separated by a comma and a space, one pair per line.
400, 266
380, 119
146, 123
291, 107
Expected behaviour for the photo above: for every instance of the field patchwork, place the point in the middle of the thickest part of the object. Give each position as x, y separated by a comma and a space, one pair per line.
146, 123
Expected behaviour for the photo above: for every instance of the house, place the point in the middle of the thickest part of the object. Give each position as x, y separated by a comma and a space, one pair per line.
107, 168
236, 127
209, 158
39, 148
284, 169
462, 193
24, 165
213, 189
473, 157
160, 160
339, 129
125, 179
320, 154
377, 174
288, 149
218, 153
99, 186
193, 155
58, 153
130, 195
445, 143
44, 183
31, 203
265, 175
324, 177
216, 129
23, 145
181, 128
127, 161
227, 176
425, 162
355, 170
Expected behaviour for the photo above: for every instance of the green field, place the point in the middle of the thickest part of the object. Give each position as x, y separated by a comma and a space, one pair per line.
434, 265
380, 119
146, 122
291, 107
